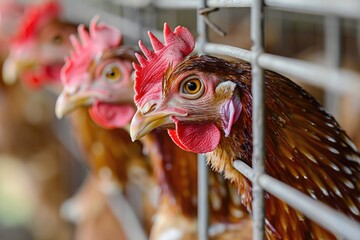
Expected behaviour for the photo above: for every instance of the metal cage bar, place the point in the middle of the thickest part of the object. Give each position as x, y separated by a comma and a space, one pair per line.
344, 8
258, 121
330, 77
333, 56
327, 217
203, 175
327, 77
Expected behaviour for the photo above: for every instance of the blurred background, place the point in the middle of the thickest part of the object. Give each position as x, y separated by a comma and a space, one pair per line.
40, 163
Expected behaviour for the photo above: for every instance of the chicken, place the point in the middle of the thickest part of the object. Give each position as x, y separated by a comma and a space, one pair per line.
349, 107
10, 17
206, 104
27, 138
36, 57
100, 79
109, 150
37, 51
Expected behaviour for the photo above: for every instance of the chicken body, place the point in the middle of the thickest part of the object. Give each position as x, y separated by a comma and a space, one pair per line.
27, 137
176, 174
36, 57
113, 157
107, 89
206, 105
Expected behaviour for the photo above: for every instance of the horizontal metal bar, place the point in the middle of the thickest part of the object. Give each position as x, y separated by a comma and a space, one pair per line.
175, 4
329, 218
166, 4
235, 52
325, 216
342, 8
340, 80
77, 12
183, 4
244, 169
229, 3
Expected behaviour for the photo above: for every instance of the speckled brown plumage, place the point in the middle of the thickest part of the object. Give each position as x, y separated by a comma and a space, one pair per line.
176, 173
305, 146
112, 149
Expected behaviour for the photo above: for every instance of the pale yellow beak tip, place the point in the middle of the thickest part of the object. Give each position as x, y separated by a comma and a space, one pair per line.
10, 71
134, 126
60, 107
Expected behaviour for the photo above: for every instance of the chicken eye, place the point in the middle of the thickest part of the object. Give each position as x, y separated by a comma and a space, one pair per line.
192, 88
112, 73
57, 39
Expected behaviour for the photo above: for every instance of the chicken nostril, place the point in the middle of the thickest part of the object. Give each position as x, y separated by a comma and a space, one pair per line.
149, 108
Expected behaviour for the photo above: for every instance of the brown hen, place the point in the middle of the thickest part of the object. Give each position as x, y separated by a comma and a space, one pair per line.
206, 104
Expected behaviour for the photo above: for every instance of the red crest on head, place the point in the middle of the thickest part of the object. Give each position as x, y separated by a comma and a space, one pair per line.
91, 44
34, 17
150, 72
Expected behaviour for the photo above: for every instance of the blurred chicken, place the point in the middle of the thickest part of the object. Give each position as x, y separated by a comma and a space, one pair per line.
206, 104
99, 78
10, 16
36, 57
27, 136
37, 51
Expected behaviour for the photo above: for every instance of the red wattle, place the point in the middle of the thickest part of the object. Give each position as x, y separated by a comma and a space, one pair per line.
45, 75
197, 138
111, 116
33, 80
173, 135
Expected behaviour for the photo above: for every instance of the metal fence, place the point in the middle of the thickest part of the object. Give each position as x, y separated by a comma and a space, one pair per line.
330, 77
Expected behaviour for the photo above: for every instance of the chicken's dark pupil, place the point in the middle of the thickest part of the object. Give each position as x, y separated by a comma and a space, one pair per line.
112, 73
57, 39
191, 86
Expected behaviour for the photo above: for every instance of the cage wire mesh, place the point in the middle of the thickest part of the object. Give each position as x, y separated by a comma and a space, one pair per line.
316, 44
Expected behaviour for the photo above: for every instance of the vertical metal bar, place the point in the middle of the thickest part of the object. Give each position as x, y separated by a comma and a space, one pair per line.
258, 123
201, 28
358, 36
203, 189
332, 59
203, 192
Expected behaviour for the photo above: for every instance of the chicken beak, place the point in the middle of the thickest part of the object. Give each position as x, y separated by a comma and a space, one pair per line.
67, 103
11, 69
142, 125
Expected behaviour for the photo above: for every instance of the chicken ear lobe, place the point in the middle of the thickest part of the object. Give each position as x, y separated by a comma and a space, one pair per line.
231, 108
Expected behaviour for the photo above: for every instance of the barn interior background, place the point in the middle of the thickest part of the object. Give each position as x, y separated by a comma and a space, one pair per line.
40, 164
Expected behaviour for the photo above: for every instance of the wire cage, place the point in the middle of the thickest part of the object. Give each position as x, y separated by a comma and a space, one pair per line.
136, 17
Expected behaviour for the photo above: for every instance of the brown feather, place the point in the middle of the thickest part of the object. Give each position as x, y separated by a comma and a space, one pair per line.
112, 150
176, 173
305, 147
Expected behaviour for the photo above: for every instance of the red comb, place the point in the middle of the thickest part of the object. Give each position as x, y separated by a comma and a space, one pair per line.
34, 17
91, 44
149, 74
